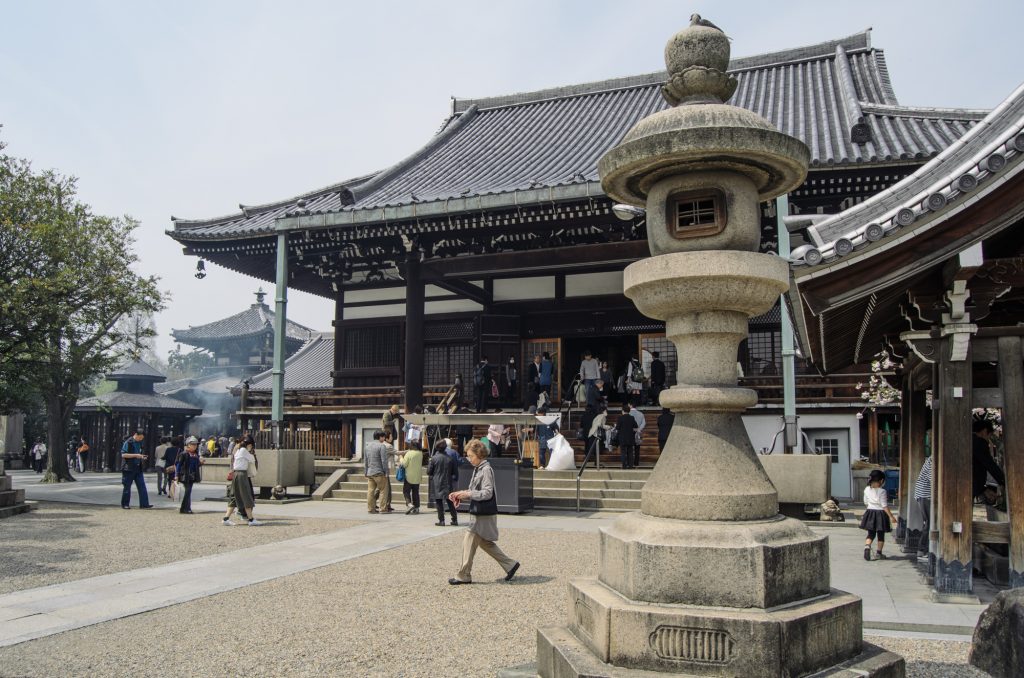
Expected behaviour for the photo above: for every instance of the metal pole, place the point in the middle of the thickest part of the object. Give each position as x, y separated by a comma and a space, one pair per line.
280, 322
788, 349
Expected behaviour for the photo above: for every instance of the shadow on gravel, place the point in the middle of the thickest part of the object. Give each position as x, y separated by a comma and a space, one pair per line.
29, 542
534, 579
923, 669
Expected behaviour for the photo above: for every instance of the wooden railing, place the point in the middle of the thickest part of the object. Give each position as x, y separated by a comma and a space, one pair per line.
808, 389
323, 443
347, 398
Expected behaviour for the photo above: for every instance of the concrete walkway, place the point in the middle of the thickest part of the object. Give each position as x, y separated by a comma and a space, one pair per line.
896, 599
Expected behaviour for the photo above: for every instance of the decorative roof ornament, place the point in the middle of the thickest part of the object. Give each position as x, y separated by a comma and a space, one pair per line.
260, 296
697, 59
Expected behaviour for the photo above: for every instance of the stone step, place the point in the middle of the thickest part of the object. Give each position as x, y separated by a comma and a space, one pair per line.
641, 474
587, 503
12, 497
561, 483
545, 493
6, 483
8, 511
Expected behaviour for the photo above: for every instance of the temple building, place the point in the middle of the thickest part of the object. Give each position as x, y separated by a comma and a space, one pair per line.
932, 270
106, 420
241, 345
495, 239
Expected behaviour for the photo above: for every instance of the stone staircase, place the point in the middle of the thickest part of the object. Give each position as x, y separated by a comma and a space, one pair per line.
603, 490
12, 502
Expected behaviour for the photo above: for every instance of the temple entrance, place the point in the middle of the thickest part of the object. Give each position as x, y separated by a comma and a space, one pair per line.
616, 350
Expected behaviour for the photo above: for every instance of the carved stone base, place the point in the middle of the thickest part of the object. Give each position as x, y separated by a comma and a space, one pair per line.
762, 563
560, 654
793, 640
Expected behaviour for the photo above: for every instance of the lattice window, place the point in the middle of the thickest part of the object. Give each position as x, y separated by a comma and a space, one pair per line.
699, 213
442, 363
829, 446
448, 330
666, 351
369, 347
763, 354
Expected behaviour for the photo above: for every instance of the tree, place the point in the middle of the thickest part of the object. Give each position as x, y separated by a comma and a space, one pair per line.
67, 280
187, 365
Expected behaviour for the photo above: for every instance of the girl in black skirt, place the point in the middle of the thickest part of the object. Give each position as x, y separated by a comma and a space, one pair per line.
878, 518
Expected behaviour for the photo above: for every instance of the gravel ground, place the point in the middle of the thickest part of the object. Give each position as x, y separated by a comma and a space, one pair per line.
387, 614
64, 542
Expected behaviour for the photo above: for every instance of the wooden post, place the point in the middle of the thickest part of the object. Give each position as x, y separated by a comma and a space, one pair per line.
904, 461
1011, 382
414, 310
953, 567
873, 436
339, 336
916, 421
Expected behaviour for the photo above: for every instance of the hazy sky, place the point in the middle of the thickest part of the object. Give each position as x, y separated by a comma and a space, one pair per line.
190, 108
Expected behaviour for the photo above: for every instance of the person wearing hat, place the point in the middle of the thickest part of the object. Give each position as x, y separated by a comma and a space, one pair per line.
188, 471
132, 459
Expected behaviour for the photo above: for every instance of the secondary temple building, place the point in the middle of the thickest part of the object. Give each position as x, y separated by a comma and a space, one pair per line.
496, 238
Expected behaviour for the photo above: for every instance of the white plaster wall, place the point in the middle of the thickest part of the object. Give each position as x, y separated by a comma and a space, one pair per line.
397, 310
389, 293
513, 289
592, 284
370, 423
762, 427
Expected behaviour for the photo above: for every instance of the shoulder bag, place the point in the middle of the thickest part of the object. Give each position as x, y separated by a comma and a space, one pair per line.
487, 507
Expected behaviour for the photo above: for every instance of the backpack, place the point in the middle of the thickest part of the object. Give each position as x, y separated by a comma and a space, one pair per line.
636, 372
478, 375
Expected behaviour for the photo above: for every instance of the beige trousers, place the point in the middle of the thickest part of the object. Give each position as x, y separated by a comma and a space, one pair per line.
378, 485
469, 547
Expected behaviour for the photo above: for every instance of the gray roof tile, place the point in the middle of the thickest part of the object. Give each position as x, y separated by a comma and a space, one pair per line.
555, 137
149, 402
137, 370
255, 320
308, 370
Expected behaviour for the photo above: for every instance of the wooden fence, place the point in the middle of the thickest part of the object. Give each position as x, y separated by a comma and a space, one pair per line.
329, 444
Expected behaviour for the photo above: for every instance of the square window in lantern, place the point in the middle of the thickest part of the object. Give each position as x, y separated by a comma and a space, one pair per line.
697, 214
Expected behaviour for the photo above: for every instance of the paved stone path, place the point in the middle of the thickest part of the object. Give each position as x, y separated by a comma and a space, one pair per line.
896, 600
34, 613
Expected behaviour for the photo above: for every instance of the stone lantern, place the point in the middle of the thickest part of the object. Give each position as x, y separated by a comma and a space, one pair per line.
707, 579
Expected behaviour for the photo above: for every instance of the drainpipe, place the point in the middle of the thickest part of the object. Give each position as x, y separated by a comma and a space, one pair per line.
788, 350
280, 320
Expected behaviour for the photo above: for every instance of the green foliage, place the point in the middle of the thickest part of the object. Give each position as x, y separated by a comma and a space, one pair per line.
189, 365
67, 279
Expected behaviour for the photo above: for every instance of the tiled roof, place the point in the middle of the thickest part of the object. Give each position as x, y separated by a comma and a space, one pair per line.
835, 96
308, 370
214, 383
137, 370
119, 401
256, 320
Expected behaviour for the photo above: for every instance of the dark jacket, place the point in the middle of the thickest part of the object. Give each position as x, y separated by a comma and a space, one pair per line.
187, 469
132, 446
657, 372
533, 375
982, 464
440, 470
627, 430
665, 421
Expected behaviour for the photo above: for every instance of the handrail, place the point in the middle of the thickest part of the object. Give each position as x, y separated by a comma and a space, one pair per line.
597, 465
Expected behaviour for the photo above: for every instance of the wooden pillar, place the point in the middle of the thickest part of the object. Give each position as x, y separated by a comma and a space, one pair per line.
339, 336
873, 436
904, 462
916, 421
414, 310
1011, 382
953, 567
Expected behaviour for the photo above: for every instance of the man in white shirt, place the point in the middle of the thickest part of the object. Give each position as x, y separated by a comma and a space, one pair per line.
38, 455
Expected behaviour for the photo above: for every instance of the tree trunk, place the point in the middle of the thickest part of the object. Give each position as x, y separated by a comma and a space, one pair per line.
58, 417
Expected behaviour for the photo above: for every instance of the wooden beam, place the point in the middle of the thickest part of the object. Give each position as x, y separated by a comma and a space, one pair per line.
467, 290
916, 419
608, 256
414, 312
1011, 381
953, 568
339, 337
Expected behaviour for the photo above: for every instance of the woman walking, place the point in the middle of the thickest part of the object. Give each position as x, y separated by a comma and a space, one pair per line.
412, 462
244, 463
188, 472
483, 506
877, 518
